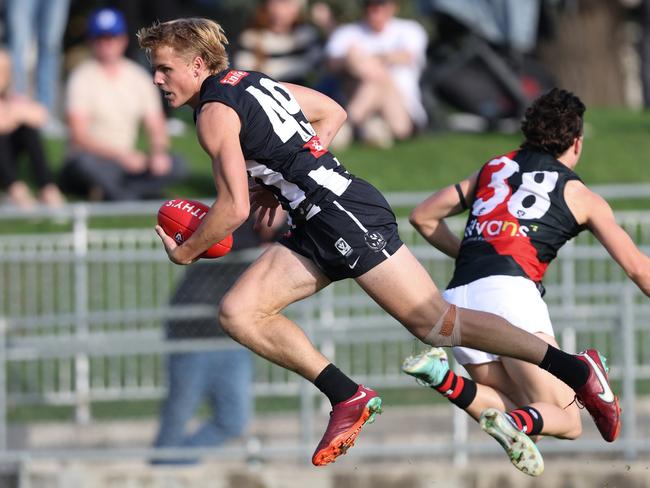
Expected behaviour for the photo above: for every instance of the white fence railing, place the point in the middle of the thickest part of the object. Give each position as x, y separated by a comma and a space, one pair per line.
82, 307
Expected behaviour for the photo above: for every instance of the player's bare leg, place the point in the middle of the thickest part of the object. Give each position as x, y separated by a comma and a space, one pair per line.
251, 311
492, 385
544, 405
251, 314
413, 299
431, 368
521, 384
503, 396
550, 396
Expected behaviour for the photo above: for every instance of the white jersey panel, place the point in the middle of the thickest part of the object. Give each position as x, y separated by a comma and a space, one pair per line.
269, 177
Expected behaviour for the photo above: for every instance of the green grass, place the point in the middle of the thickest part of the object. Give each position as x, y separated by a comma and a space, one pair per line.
615, 151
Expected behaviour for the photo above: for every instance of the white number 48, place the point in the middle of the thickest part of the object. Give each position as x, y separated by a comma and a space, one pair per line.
280, 107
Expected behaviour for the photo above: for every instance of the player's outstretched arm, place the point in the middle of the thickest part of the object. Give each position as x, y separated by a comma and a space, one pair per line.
218, 131
324, 114
428, 217
593, 211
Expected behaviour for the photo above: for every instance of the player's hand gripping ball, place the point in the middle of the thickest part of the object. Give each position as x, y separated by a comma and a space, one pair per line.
180, 218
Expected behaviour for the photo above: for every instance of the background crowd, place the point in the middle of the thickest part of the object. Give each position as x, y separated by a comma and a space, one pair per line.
71, 69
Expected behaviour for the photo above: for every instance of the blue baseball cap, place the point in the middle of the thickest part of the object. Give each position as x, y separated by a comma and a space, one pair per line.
106, 22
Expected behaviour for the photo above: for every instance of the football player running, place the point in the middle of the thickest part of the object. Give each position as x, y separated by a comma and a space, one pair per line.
253, 126
523, 207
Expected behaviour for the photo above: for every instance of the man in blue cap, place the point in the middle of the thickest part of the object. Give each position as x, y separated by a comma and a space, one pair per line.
108, 98
106, 22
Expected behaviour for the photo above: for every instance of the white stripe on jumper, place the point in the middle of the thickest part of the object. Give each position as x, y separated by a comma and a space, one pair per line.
290, 191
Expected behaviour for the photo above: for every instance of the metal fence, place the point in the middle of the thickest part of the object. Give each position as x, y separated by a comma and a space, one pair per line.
84, 292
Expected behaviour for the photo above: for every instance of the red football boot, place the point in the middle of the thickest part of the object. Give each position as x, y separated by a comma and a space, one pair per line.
597, 396
346, 420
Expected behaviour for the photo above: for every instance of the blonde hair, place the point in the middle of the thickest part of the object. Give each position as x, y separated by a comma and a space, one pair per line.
190, 37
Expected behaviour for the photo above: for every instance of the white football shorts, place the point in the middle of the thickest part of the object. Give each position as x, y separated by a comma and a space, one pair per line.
514, 298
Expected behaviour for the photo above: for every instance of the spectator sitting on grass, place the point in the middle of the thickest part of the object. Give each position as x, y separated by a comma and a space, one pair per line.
19, 133
108, 97
383, 56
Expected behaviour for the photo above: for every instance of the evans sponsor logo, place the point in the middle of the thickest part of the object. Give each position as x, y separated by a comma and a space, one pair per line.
494, 228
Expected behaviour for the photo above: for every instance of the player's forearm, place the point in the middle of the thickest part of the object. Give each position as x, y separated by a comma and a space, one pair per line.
222, 220
437, 233
328, 127
444, 240
601, 221
324, 114
640, 274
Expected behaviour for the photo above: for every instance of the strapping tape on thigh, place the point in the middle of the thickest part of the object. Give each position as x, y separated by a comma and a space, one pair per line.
446, 331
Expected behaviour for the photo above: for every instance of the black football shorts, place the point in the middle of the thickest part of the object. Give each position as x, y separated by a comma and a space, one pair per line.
350, 235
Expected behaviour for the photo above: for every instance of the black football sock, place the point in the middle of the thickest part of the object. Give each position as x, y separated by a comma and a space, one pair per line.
527, 420
458, 390
566, 367
335, 384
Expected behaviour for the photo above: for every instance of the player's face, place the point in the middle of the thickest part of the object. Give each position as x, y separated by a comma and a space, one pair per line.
178, 79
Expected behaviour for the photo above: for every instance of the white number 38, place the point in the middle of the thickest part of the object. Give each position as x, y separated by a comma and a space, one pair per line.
530, 201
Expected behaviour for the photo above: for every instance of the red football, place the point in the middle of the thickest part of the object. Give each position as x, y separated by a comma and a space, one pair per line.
180, 218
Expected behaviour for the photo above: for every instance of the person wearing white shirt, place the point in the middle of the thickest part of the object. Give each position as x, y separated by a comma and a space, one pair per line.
385, 56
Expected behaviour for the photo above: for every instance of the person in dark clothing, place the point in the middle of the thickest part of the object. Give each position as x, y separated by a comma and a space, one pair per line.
20, 123
224, 377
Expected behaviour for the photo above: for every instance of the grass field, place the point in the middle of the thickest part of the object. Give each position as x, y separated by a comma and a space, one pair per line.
616, 149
